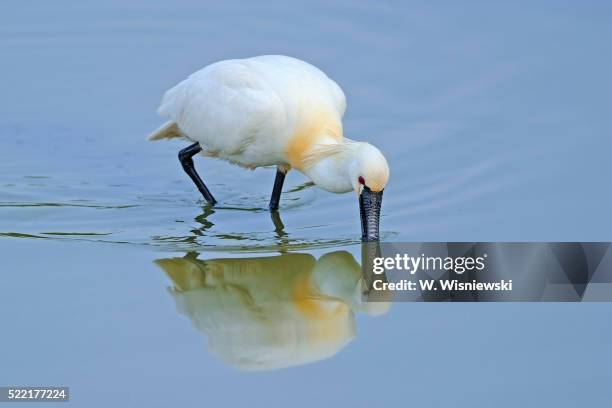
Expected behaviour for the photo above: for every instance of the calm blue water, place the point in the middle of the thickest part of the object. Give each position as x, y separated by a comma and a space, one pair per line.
495, 121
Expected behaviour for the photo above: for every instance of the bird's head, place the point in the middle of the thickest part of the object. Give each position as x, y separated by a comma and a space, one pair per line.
357, 166
369, 173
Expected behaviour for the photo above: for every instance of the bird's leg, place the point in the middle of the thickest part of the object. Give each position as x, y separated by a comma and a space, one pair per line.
279, 227
185, 157
281, 171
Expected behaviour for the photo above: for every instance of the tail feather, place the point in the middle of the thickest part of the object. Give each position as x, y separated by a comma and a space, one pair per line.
168, 130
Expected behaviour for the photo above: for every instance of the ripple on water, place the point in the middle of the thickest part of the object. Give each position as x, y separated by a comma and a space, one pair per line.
174, 220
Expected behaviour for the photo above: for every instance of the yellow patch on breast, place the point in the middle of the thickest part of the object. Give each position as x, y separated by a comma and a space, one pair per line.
323, 315
313, 126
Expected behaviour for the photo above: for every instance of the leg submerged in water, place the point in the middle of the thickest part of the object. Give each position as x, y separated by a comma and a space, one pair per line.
186, 159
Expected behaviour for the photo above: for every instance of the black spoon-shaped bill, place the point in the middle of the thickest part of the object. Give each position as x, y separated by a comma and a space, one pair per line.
369, 208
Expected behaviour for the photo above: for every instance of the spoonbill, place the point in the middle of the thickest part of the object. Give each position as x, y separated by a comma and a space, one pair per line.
274, 110
288, 310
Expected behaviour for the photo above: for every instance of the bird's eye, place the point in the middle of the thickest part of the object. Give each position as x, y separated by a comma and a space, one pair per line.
361, 180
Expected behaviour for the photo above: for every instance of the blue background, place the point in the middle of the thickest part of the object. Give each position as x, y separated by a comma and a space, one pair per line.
495, 118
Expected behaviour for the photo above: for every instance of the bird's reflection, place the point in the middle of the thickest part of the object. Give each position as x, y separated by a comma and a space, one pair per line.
262, 313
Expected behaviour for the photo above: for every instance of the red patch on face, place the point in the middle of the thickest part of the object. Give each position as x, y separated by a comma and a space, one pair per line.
361, 180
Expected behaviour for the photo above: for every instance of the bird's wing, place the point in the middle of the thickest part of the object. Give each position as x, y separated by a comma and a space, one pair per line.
224, 106
338, 96
304, 76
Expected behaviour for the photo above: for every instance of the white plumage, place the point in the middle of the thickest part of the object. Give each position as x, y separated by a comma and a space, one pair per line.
287, 310
247, 111
274, 110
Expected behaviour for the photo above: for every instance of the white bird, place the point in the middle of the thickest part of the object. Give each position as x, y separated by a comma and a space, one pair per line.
265, 313
274, 110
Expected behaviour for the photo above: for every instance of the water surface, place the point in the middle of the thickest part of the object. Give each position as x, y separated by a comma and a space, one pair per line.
495, 122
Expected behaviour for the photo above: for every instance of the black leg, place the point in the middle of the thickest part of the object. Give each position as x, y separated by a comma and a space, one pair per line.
185, 157
278, 188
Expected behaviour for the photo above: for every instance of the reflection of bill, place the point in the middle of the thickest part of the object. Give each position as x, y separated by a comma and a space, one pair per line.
271, 312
